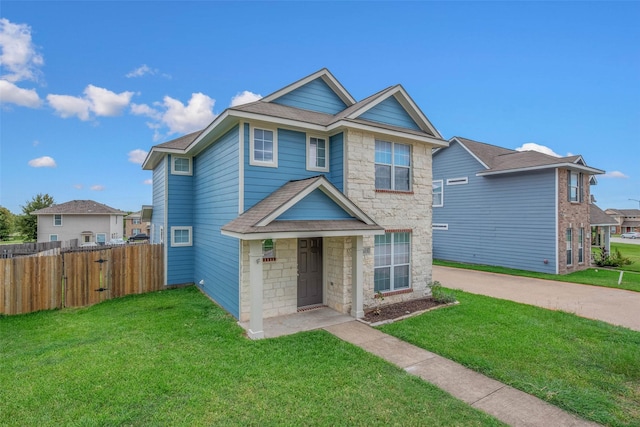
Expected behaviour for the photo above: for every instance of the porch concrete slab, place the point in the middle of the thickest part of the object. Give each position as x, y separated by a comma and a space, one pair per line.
298, 322
396, 351
355, 332
463, 383
517, 408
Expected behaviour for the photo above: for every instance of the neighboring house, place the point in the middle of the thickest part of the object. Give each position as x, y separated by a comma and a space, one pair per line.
626, 220
601, 226
517, 209
133, 224
301, 199
85, 220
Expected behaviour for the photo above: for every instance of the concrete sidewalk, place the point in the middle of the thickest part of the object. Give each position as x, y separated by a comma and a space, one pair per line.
507, 404
615, 306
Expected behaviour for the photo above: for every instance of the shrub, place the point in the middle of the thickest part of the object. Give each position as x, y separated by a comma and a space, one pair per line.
439, 295
605, 259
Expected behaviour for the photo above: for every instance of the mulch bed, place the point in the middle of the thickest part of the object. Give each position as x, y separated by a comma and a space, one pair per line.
400, 309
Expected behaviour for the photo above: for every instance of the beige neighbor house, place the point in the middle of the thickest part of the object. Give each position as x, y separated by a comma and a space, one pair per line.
134, 224
84, 220
626, 220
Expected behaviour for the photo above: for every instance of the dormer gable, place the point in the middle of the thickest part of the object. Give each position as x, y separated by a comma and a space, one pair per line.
320, 92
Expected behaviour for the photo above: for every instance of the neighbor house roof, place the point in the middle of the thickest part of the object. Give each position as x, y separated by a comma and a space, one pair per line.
598, 217
261, 219
79, 207
499, 160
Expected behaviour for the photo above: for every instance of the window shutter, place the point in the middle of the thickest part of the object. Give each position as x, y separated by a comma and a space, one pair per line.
580, 187
569, 185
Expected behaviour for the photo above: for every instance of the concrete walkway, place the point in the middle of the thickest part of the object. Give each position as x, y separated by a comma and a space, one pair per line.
507, 404
615, 306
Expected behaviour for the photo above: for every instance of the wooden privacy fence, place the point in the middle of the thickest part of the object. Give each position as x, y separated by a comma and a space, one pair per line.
77, 279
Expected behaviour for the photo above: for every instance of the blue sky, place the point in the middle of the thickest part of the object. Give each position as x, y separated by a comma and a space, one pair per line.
87, 88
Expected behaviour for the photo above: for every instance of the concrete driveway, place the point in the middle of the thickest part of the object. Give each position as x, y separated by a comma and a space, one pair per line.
615, 306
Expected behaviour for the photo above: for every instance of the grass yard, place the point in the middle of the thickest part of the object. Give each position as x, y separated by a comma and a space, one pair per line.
175, 358
601, 277
586, 367
631, 251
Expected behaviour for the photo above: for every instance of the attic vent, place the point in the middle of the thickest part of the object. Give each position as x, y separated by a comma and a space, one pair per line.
458, 181
440, 226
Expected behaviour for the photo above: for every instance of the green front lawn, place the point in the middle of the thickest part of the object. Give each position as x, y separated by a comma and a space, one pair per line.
593, 276
586, 367
175, 358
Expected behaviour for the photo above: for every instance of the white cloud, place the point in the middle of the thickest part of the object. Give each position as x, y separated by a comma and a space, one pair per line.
78, 186
145, 110
244, 98
96, 100
148, 181
615, 174
19, 56
12, 94
97, 188
197, 114
532, 146
141, 71
69, 106
137, 156
43, 162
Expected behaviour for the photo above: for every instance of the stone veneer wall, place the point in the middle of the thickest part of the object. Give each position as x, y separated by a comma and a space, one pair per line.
392, 210
573, 215
337, 273
280, 281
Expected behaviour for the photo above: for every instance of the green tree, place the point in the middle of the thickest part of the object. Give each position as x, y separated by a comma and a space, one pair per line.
6, 223
27, 224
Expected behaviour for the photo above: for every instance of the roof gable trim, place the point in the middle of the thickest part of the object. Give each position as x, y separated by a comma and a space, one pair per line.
326, 76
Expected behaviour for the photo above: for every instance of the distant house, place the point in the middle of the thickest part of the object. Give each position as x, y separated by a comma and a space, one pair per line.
85, 220
626, 220
304, 198
518, 209
134, 224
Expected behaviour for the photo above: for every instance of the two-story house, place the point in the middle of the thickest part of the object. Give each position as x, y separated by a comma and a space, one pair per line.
134, 224
627, 220
86, 221
519, 209
304, 198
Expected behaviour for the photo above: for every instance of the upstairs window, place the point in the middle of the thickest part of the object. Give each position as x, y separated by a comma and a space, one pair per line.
317, 154
181, 165
438, 193
264, 147
393, 166
57, 220
575, 186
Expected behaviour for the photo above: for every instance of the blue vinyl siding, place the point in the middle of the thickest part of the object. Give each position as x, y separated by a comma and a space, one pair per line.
336, 161
158, 215
179, 213
216, 257
505, 220
316, 206
315, 96
392, 113
260, 181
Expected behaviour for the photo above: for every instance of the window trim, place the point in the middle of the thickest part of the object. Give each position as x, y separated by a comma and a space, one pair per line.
316, 168
54, 220
581, 245
177, 172
392, 266
181, 228
578, 187
252, 160
441, 204
51, 236
393, 167
104, 242
569, 239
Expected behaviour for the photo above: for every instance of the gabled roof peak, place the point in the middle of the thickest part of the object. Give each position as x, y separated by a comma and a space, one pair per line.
323, 74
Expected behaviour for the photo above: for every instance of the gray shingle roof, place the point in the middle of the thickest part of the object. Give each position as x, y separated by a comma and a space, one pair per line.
79, 207
182, 142
247, 222
598, 217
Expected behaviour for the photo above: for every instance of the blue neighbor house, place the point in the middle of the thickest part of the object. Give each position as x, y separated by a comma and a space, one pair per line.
304, 198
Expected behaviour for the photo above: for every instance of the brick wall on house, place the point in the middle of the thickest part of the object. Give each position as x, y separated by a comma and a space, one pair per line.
573, 215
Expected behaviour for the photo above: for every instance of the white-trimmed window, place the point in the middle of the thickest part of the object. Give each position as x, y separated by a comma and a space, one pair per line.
458, 181
392, 258
440, 226
57, 220
53, 237
101, 238
581, 245
161, 234
569, 246
181, 165
438, 193
136, 231
393, 166
136, 221
263, 146
317, 154
181, 236
575, 186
